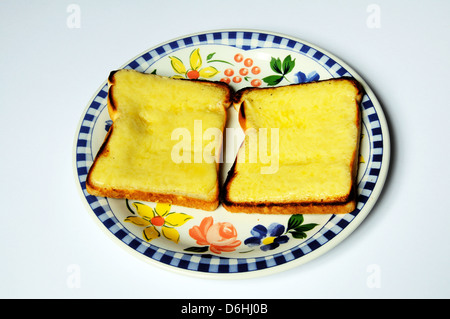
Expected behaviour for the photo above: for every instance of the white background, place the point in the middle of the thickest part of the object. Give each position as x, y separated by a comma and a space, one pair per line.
49, 72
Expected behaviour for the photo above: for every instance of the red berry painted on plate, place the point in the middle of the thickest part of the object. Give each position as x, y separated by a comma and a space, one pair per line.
248, 62
256, 82
228, 72
193, 74
243, 71
238, 57
256, 70
237, 79
226, 80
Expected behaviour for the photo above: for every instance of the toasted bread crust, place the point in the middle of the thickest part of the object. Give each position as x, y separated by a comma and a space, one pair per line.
341, 205
238, 95
179, 200
291, 208
174, 199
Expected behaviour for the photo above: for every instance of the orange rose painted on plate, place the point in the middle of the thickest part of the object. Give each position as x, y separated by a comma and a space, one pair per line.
219, 237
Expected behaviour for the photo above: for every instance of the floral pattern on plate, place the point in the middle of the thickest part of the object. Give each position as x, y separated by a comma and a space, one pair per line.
157, 221
215, 237
271, 237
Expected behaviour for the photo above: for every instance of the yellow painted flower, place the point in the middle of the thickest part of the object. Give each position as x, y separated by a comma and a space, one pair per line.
196, 71
177, 65
158, 217
195, 60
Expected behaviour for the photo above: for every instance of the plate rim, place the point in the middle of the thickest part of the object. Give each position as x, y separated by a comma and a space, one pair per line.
340, 237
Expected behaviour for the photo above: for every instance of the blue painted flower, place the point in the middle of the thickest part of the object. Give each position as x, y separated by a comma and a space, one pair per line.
267, 238
302, 78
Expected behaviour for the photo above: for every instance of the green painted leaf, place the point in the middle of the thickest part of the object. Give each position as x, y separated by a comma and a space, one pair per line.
295, 221
197, 249
273, 79
209, 57
298, 234
221, 61
305, 227
275, 65
288, 64
245, 252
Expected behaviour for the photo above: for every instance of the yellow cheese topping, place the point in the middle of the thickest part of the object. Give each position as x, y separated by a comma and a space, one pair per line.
318, 131
140, 150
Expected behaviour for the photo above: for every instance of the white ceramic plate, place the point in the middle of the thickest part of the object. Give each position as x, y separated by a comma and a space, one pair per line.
219, 243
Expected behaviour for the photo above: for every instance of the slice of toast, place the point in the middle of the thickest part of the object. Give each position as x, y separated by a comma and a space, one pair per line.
306, 159
155, 150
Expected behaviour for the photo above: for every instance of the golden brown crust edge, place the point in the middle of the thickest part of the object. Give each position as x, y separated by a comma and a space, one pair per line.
338, 206
291, 208
179, 200
238, 95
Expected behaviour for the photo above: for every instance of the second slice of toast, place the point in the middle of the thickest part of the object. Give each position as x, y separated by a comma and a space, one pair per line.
137, 159
316, 129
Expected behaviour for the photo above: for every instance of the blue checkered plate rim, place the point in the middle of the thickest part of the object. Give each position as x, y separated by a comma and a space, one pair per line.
221, 244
